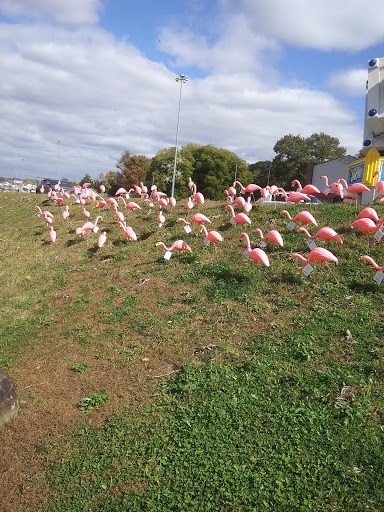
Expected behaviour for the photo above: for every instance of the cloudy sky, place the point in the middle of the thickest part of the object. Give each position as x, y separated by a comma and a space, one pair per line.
99, 75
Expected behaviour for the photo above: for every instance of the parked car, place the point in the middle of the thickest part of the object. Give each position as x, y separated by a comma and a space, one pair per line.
48, 183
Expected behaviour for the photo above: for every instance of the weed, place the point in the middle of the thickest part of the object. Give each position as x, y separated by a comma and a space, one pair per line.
93, 401
80, 367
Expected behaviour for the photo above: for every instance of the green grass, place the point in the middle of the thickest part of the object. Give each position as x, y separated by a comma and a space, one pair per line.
259, 436
253, 424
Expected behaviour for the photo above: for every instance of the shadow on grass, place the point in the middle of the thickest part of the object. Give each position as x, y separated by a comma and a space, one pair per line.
364, 287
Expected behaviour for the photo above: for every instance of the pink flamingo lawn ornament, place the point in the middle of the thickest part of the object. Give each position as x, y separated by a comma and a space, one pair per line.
121, 191
379, 184
128, 231
324, 233
372, 262
89, 226
131, 205
102, 189
336, 186
257, 255
102, 239
303, 216
66, 213
294, 197
355, 188
248, 205
211, 236
160, 219
190, 204
86, 214
198, 217
197, 196
179, 245
252, 187
273, 236
240, 201
52, 234
308, 189
239, 218
368, 213
367, 225
319, 254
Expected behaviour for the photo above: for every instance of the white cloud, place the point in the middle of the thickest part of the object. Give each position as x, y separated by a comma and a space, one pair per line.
101, 96
326, 25
351, 82
67, 12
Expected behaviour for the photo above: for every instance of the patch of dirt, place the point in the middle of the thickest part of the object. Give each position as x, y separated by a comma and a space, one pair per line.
48, 391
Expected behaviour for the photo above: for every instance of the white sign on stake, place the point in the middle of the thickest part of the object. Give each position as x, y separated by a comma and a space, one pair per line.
159, 224
291, 226
206, 241
311, 244
187, 229
307, 270
127, 196
167, 255
378, 235
246, 254
379, 276
327, 191
232, 221
151, 205
262, 245
96, 229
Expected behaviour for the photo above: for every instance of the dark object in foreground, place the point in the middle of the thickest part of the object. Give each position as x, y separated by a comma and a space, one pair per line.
9, 403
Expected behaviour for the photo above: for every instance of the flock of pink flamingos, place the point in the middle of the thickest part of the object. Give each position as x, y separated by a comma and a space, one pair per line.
367, 220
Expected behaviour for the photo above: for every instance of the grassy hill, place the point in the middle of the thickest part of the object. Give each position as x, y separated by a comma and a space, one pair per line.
205, 382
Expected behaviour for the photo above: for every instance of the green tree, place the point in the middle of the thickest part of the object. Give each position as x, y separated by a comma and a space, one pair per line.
86, 179
215, 170
295, 152
133, 169
161, 170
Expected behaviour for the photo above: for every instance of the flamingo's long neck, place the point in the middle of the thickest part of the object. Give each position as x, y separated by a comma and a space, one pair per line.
164, 246
245, 235
345, 185
297, 182
240, 185
303, 230
203, 229
258, 230
300, 256
381, 222
229, 207
283, 192
287, 214
326, 181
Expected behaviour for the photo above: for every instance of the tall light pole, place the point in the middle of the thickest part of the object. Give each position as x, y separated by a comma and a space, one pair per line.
182, 79
58, 142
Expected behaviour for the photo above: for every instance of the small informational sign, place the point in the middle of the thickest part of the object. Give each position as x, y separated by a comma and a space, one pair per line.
167, 255
96, 229
379, 276
378, 235
311, 244
151, 205
160, 224
262, 245
327, 191
187, 229
232, 221
127, 196
246, 253
206, 241
291, 225
307, 270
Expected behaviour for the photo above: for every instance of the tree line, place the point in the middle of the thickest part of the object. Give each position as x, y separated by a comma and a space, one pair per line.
213, 169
